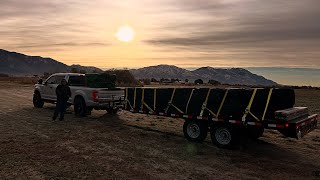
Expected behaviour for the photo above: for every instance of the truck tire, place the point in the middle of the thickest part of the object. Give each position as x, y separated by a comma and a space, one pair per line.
37, 101
195, 131
255, 133
80, 107
224, 136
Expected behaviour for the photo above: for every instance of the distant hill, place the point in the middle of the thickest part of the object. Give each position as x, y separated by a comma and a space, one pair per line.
163, 71
225, 76
13, 63
233, 76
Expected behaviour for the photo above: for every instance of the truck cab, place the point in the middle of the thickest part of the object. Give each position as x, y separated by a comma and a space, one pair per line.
88, 92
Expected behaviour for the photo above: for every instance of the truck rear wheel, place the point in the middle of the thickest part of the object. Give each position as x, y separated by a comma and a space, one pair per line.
224, 136
195, 131
80, 107
37, 101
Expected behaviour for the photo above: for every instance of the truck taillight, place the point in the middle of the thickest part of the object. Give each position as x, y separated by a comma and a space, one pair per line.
95, 96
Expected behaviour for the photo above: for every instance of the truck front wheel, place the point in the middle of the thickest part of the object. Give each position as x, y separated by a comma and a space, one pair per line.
80, 107
195, 131
37, 101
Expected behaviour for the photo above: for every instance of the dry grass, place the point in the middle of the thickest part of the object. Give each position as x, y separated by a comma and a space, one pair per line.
19, 80
136, 146
309, 98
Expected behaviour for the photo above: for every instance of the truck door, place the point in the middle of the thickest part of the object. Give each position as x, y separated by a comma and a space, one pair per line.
57, 81
47, 88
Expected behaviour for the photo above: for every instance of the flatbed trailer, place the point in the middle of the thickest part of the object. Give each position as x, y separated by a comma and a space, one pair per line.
225, 131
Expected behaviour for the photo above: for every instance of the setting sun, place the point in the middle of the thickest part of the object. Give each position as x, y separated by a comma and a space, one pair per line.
125, 34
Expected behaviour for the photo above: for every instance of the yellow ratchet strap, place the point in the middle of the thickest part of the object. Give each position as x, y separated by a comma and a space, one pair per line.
126, 104
249, 105
143, 103
154, 98
134, 98
170, 103
222, 102
189, 100
142, 99
204, 105
267, 105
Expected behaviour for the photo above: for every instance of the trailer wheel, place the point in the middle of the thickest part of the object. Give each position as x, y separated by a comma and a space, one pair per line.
224, 136
195, 131
37, 101
80, 107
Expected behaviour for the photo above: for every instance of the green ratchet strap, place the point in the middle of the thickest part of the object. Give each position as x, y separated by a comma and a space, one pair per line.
267, 105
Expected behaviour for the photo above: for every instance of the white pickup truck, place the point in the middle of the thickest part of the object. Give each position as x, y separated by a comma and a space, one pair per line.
85, 97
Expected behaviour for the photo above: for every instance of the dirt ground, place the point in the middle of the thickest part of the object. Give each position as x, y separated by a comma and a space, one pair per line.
135, 146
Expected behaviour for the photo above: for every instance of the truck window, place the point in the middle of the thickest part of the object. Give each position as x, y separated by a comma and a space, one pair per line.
58, 79
77, 81
51, 80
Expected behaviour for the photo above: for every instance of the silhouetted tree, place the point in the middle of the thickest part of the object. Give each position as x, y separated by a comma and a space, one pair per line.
198, 81
214, 82
82, 71
74, 70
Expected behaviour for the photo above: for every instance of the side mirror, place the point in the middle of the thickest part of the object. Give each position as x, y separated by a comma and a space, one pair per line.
40, 81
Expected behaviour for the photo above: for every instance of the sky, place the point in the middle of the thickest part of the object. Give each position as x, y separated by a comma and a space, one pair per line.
186, 33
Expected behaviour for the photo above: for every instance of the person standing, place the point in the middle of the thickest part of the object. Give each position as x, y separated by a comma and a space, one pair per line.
63, 93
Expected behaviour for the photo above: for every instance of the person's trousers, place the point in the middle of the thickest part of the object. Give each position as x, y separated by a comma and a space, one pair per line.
61, 107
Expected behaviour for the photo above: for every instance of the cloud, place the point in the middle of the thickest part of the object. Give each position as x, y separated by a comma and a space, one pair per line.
254, 30
204, 32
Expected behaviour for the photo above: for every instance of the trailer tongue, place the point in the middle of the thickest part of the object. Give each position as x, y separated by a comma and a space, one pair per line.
226, 113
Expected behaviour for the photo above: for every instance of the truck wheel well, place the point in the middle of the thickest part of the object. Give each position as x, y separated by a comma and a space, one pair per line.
78, 96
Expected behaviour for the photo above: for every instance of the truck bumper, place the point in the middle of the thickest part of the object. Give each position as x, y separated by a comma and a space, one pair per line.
107, 105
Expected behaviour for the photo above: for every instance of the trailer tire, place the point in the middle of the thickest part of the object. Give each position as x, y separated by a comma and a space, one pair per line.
80, 107
195, 131
37, 101
224, 136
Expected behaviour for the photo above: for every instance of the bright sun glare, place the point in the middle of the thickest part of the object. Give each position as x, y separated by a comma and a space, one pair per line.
125, 33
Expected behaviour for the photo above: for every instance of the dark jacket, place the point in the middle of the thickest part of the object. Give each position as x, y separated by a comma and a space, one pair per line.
63, 92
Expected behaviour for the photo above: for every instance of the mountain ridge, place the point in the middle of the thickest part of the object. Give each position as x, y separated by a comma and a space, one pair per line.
230, 76
14, 63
